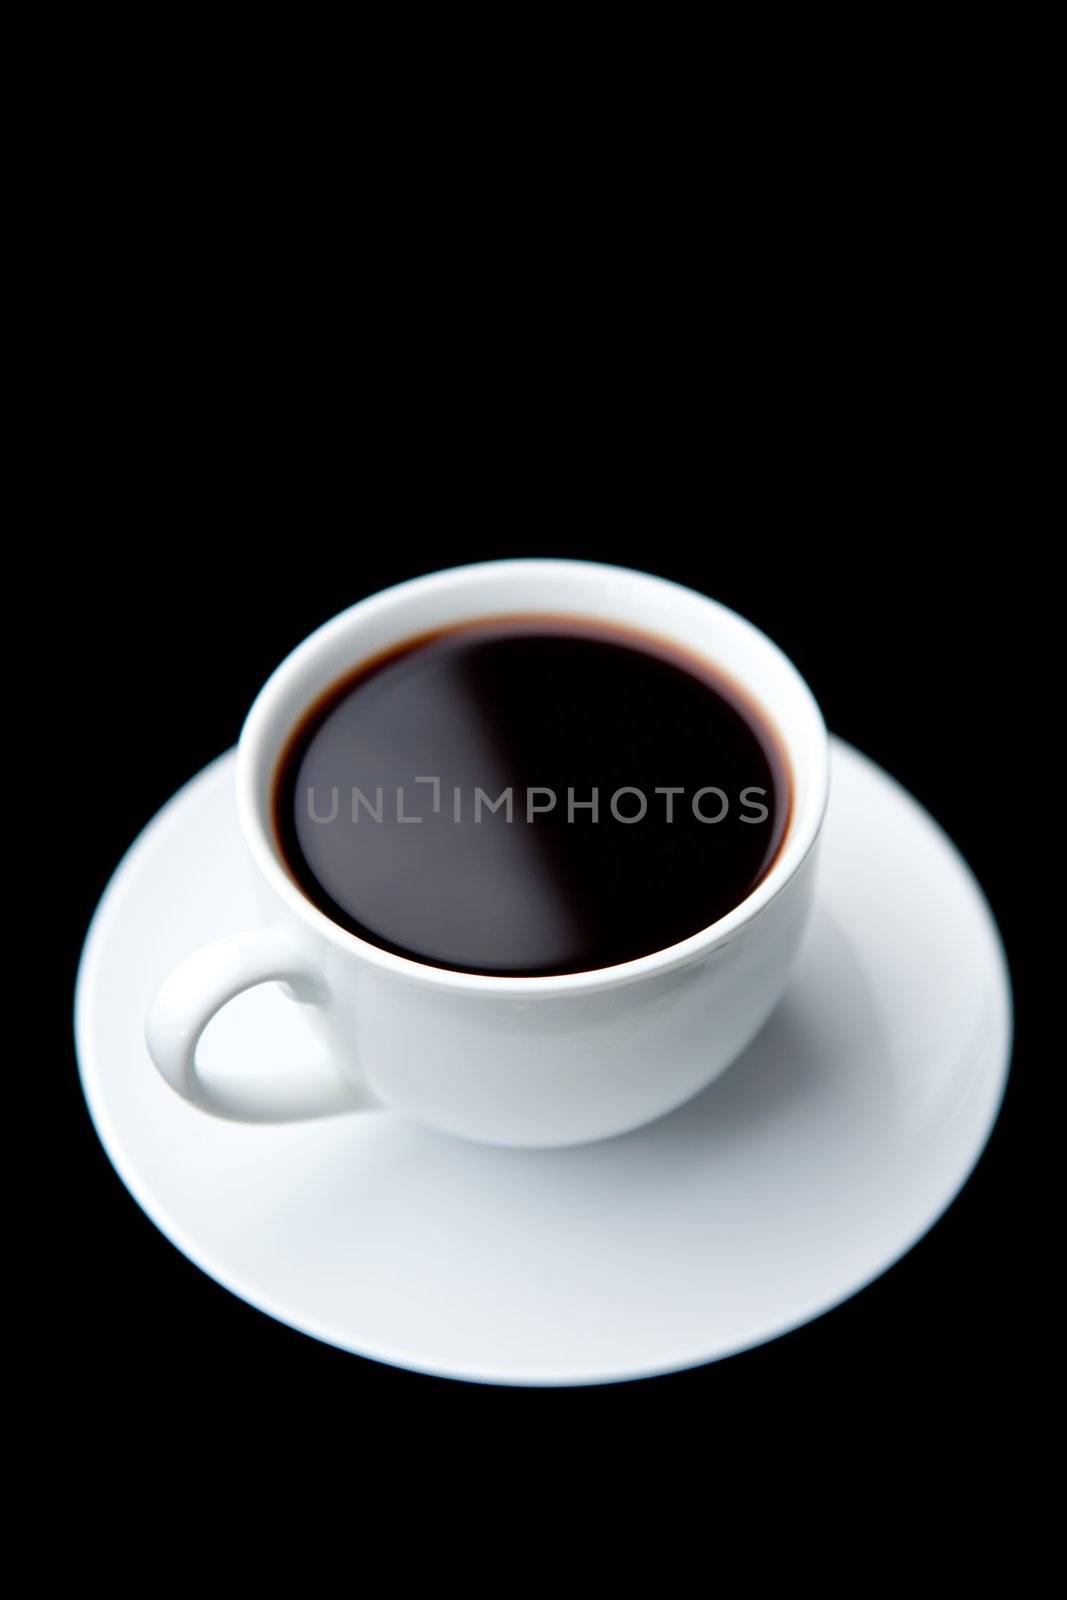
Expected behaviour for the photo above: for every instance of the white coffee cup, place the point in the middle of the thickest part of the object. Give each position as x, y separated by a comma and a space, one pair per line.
507, 1060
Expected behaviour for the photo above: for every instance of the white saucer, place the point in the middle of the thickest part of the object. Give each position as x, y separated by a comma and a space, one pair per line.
823, 1154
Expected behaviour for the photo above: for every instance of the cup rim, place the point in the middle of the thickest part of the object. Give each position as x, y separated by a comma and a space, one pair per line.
799, 841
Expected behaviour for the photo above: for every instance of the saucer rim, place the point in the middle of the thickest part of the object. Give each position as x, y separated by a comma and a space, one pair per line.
92, 955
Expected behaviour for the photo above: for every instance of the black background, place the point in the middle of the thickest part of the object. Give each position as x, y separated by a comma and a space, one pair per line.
860, 541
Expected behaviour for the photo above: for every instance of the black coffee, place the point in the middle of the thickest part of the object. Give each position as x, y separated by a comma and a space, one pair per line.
530, 795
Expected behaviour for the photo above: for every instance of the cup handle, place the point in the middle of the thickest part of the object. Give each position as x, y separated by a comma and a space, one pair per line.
199, 987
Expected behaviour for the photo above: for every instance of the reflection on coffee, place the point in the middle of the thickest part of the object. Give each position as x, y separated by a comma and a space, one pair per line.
531, 795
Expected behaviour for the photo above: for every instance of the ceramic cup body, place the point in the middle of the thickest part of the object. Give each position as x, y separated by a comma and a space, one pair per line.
514, 1061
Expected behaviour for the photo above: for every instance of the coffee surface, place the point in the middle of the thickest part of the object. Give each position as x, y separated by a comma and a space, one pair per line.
492, 798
